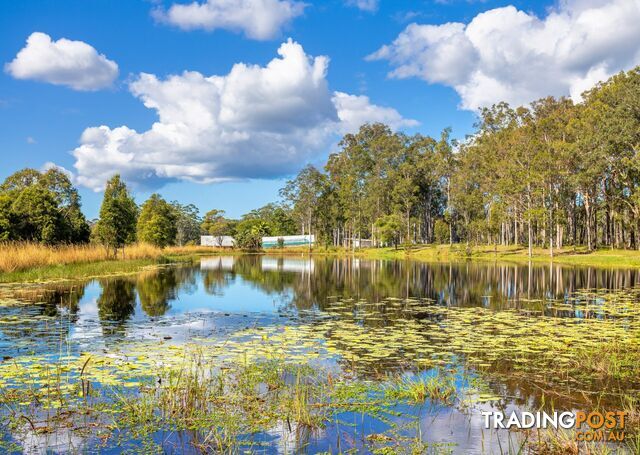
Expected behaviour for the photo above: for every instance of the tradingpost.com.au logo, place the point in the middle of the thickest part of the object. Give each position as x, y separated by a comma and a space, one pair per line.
589, 426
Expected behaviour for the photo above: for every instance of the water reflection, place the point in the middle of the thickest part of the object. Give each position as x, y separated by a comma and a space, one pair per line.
224, 294
265, 284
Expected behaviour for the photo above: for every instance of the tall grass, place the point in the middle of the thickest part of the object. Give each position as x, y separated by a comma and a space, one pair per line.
17, 256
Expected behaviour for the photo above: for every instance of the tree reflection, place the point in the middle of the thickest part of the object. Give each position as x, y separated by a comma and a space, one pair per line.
308, 283
116, 303
155, 290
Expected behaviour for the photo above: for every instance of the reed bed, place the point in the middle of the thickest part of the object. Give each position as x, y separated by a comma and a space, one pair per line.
17, 256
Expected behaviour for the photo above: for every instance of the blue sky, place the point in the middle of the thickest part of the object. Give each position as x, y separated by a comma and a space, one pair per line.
420, 82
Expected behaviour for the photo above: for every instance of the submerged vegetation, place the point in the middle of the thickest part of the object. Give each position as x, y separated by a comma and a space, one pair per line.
223, 395
359, 374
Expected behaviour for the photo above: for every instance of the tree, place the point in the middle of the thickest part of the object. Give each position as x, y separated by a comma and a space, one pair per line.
6, 223
41, 207
118, 216
303, 194
249, 234
278, 218
187, 223
446, 165
389, 229
37, 215
75, 227
157, 222
214, 223
442, 232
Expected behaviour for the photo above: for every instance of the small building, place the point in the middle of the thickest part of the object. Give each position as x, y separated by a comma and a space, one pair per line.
288, 240
358, 243
220, 241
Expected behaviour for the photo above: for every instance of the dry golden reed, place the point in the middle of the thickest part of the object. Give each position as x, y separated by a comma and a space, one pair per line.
16, 256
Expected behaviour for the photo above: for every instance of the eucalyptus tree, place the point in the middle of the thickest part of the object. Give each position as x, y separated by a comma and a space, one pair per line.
303, 194
446, 165
187, 223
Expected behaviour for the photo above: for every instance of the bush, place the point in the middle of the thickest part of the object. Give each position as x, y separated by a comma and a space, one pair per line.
441, 232
249, 239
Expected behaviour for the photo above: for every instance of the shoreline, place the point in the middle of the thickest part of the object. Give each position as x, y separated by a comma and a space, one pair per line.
87, 269
601, 258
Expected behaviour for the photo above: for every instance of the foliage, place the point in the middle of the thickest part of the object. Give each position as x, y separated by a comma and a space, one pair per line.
187, 224
118, 217
304, 194
278, 219
157, 222
389, 229
441, 232
249, 233
214, 223
547, 175
41, 207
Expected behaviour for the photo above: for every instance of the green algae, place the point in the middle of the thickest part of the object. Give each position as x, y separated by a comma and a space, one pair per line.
340, 361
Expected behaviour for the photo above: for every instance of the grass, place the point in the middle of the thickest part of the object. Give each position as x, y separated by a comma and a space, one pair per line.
29, 262
228, 395
214, 408
440, 388
23, 261
604, 257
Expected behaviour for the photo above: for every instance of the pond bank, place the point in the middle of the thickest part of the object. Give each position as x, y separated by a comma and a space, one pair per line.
605, 257
37, 263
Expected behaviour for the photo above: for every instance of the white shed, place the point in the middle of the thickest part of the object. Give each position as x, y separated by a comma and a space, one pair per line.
225, 241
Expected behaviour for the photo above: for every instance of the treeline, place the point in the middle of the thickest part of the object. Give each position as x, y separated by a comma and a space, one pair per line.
44, 207
163, 223
41, 207
552, 174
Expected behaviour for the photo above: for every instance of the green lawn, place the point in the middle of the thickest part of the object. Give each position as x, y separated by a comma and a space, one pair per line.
604, 257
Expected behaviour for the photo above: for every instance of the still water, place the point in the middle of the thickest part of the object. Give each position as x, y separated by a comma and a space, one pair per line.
221, 296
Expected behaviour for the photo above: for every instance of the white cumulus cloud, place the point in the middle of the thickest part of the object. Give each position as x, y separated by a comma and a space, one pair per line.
258, 19
356, 110
364, 5
508, 55
254, 122
74, 64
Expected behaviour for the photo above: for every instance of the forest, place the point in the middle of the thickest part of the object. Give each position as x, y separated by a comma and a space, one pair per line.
552, 174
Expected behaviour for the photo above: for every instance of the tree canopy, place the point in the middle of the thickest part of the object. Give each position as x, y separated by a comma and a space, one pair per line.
549, 174
41, 207
118, 216
157, 222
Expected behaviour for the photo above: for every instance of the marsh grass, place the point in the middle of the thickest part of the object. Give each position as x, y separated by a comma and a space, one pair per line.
24, 262
224, 407
440, 388
563, 442
16, 256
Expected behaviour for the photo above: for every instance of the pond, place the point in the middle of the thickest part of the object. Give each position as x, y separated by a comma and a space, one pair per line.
297, 354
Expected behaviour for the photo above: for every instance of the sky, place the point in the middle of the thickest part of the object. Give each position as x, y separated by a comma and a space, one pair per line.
219, 102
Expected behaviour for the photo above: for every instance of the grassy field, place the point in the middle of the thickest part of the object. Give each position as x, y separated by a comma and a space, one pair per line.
445, 253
